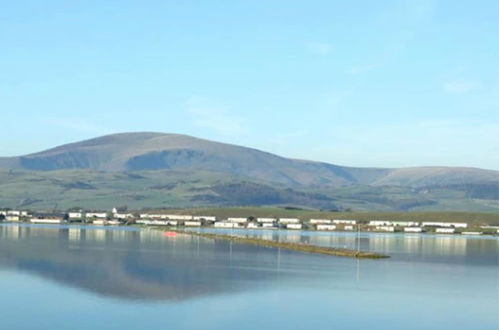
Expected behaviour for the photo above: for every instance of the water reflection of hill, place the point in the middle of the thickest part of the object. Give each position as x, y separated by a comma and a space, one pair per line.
135, 264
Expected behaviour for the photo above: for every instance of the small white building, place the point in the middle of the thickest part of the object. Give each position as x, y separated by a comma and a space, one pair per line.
385, 228
445, 230
47, 221
266, 220
320, 221
344, 222
14, 212
294, 226
192, 223
237, 220
348, 227
289, 220
413, 230
326, 227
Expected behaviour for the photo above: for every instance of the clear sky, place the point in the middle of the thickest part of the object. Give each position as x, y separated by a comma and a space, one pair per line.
360, 83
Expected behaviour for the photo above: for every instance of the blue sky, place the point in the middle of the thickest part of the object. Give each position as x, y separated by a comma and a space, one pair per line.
360, 83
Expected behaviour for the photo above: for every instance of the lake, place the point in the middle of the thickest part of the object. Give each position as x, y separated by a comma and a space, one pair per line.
85, 277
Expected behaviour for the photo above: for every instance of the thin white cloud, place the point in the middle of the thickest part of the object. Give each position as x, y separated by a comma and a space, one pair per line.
210, 115
461, 86
320, 48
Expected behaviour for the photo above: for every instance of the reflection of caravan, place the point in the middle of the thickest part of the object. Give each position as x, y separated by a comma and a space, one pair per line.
445, 230
413, 230
326, 227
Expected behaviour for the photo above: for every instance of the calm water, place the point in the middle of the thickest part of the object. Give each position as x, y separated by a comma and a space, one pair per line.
60, 277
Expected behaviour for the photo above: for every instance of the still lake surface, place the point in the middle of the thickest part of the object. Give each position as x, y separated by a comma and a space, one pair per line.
77, 277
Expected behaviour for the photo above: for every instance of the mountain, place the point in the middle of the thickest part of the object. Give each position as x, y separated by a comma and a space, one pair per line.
227, 174
156, 151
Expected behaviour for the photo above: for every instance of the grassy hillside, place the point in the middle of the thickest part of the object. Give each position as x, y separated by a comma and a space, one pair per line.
179, 189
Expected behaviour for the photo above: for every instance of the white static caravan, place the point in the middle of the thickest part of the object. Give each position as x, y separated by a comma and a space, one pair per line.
252, 225
320, 221
377, 223
326, 227
344, 222
114, 222
413, 230
268, 225
348, 227
289, 220
123, 215
385, 228
14, 212
204, 217
472, 233
406, 223
75, 215
445, 224
266, 220
192, 223
294, 226
237, 220
47, 221
101, 215
445, 230
12, 218
177, 217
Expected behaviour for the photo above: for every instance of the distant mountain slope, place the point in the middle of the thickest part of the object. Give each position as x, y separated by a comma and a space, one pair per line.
436, 176
156, 151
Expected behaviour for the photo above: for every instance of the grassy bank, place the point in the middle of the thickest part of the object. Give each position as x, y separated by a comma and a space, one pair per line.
287, 245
